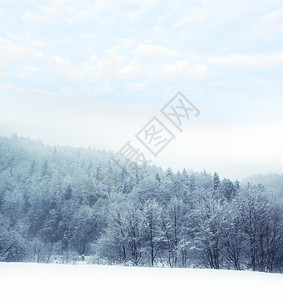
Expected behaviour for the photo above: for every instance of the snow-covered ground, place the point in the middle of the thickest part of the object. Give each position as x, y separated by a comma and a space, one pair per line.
54, 281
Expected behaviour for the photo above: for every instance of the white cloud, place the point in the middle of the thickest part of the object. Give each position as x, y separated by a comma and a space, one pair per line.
97, 68
36, 17
94, 69
198, 16
182, 68
76, 76
33, 69
154, 51
96, 7
6, 88
9, 88
60, 62
239, 60
3, 12
25, 76
211, 14
48, 14
11, 53
45, 96
50, 10
274, 16
143, 7
271, 26
108, 89
132, 70
195, 57
109, 63
139, 85
29, 71
37, 44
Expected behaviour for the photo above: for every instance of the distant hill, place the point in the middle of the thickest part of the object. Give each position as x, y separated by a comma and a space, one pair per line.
272, 182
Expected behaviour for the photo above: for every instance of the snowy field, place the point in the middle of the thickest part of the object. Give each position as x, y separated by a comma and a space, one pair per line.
53, 281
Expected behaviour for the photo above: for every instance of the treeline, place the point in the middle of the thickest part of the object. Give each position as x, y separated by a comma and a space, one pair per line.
64, 204
210, 230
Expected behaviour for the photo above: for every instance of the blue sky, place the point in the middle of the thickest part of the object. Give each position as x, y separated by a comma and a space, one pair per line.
92, 73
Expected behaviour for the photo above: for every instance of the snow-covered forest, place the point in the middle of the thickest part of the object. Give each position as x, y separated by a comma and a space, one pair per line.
54, 206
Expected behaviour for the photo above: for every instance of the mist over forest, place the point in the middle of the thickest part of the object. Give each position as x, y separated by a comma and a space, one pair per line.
64, 204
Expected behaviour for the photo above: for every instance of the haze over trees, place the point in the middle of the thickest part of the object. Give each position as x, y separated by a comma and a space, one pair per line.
56, 205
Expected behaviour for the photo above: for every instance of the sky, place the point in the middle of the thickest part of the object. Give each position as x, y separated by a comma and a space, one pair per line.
93, 73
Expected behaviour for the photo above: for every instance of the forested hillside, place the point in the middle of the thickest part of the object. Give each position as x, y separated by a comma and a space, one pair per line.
273, 182
64, 204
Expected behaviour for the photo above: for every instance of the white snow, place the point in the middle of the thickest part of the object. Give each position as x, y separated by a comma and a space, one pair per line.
54, 281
